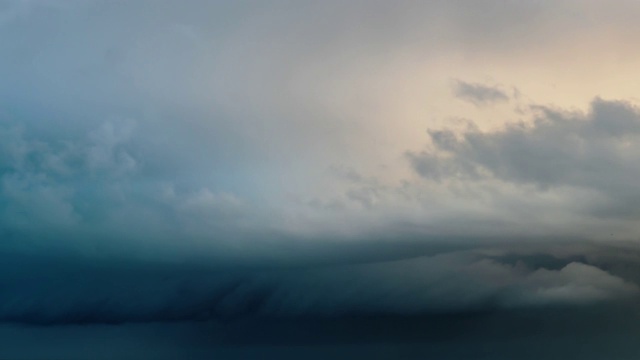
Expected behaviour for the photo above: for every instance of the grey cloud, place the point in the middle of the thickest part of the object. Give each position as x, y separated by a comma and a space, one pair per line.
576, 283
479, 94
596, 151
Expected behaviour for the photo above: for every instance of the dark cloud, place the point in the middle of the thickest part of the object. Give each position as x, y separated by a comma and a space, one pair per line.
41, 290
479, 94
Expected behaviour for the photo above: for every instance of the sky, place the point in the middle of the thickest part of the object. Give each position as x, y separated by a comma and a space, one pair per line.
226, 169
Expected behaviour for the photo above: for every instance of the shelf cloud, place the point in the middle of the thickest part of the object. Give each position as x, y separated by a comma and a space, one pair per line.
246, 165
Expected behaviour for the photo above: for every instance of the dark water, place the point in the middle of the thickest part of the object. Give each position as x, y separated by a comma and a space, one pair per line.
588, 333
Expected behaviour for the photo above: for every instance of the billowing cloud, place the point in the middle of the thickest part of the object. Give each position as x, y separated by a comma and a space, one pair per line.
594, 151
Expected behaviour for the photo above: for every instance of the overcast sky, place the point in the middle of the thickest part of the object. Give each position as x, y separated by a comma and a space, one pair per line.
316, 157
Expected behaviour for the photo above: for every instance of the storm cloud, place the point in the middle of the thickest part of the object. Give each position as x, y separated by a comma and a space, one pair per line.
206, 175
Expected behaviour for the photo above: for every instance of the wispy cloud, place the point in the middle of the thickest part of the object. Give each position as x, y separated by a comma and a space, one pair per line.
479, 94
